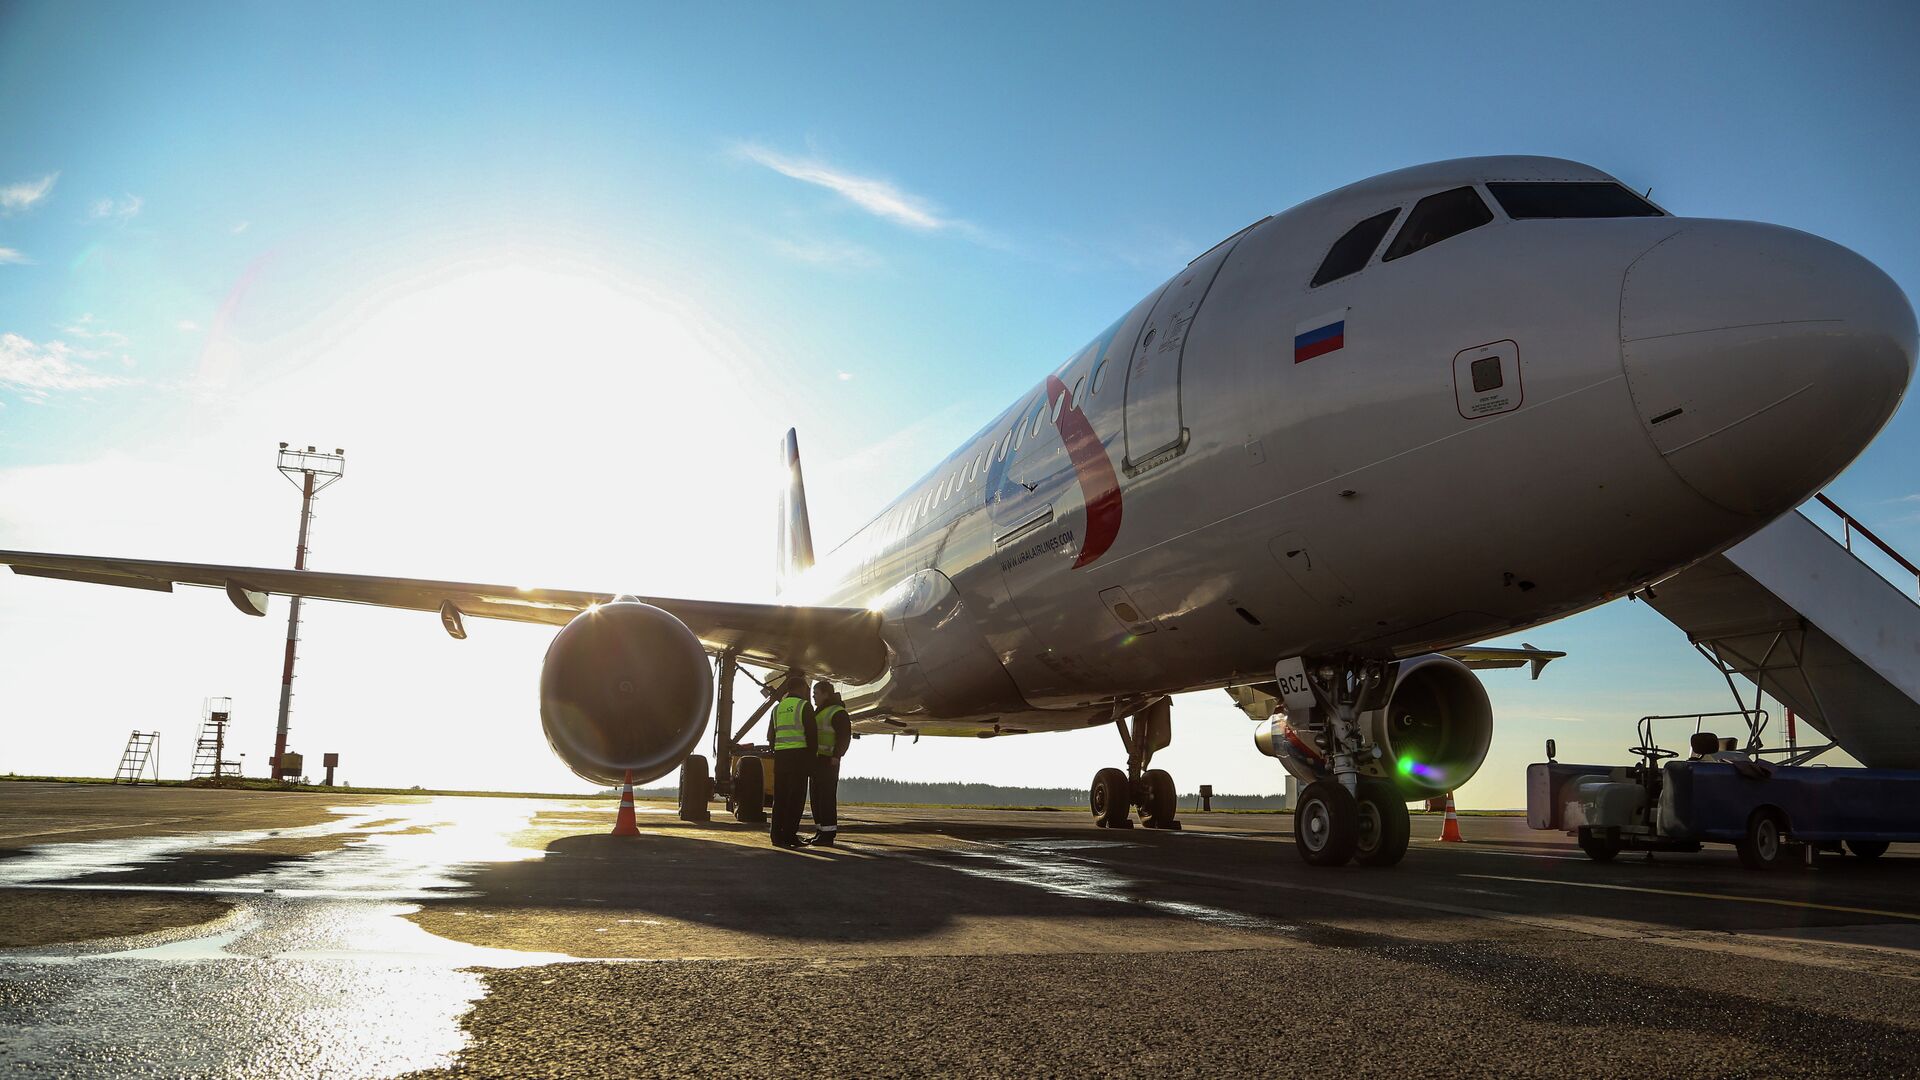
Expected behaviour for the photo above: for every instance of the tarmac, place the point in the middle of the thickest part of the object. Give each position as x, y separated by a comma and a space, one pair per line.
169, 931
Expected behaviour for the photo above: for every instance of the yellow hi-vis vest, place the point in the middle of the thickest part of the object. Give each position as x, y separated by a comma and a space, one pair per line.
787, 732
823, 723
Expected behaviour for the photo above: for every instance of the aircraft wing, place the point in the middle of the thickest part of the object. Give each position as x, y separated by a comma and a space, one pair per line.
840, 643
1486, 656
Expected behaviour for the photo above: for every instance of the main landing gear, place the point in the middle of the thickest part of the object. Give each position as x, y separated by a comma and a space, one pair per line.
739, 771
1115, 792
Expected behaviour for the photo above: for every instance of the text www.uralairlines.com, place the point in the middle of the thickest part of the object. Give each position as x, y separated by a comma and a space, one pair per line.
1051, 543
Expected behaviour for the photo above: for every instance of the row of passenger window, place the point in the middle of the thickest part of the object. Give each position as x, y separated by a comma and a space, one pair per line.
1026, 426
1446, 214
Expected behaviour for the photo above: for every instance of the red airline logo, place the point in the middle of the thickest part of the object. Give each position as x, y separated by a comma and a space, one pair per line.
1099, 486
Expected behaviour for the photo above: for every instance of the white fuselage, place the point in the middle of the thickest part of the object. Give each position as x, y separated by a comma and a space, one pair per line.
1206, 495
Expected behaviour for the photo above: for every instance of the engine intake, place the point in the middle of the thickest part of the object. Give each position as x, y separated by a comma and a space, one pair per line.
625, 687
1433, 730
1436, 725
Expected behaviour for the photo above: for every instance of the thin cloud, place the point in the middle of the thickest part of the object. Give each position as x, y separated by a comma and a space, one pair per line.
124, 207
37, 372
188, 326
26, 194
10, 255
88, 328
878, 197
829, 254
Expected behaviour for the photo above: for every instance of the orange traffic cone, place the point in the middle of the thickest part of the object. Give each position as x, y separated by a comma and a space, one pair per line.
624, 825
1451, 830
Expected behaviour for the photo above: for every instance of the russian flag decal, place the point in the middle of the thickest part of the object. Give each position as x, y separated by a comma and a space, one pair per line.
1320, 336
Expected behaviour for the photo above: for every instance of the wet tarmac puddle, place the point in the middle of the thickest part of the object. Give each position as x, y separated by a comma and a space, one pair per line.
314, 973
1054, 866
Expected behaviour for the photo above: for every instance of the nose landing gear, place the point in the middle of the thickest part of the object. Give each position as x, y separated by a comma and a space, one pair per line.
1115, 793
1331, 825
1344, 815
1326, 824
1384, 827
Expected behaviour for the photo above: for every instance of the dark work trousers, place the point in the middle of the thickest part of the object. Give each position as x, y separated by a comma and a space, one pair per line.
824, 789
789, 792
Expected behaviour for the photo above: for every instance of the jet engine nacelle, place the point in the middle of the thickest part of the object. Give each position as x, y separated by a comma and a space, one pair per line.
625, 687
1432, 726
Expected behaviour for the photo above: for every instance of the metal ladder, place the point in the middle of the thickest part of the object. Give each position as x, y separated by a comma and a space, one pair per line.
212, 745
138, 755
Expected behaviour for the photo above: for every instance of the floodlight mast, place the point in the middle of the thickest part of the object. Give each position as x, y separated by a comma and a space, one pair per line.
312, 471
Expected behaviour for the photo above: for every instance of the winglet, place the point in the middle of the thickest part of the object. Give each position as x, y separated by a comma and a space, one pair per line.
1540, 658
1488, 656
795, 550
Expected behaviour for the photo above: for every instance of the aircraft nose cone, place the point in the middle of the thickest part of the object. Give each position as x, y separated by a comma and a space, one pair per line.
1762, 360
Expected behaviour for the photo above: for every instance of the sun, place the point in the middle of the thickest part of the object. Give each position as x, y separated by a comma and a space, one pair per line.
580, 426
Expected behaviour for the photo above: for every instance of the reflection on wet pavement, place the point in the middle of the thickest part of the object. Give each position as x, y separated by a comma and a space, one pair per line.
1049, 865
314, 973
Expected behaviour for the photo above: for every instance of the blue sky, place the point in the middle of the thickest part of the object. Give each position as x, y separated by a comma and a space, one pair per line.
547, 269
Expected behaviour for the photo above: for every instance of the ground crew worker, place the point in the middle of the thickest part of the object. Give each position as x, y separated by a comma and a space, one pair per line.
794, 738
834, 730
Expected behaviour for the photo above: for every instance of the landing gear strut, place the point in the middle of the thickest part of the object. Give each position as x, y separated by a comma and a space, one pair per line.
738, 773
1115, 793
1346, 816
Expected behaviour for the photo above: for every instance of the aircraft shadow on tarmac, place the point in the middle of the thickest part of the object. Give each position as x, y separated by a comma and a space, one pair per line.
848, 893
720, 875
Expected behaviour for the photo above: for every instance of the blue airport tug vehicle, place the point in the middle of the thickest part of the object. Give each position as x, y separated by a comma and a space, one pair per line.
1774, 813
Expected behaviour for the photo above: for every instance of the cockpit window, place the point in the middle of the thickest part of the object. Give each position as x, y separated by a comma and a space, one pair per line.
1438, 217
1570, 199
1351, 252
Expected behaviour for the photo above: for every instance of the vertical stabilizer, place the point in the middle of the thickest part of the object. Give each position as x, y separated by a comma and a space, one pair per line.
795, 552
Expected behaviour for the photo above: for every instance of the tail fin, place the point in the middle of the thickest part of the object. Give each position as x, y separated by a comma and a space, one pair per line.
795, 552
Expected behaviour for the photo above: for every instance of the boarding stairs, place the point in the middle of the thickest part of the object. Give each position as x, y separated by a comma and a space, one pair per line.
212, 745
1799, 615
137, 758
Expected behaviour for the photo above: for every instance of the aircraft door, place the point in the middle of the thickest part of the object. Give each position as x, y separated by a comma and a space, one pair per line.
1155, 431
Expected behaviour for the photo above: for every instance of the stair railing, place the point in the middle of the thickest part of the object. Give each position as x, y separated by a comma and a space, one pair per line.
1850, 525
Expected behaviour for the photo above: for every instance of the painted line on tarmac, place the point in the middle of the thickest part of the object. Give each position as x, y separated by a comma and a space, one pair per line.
1757, 947
1425, 905
1434, 844
1468, 848
89, 828
1774, 901
1800, 952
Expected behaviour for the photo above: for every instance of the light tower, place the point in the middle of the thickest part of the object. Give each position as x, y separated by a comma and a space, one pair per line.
311, 471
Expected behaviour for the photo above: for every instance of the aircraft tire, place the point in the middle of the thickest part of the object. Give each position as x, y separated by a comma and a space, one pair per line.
749, 791
1383, 827
696, 788
1162, 802
1108, 800
1867, 849
1764, 846
1326, 824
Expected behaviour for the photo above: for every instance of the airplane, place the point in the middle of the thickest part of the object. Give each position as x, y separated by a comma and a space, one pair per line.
1315, 468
